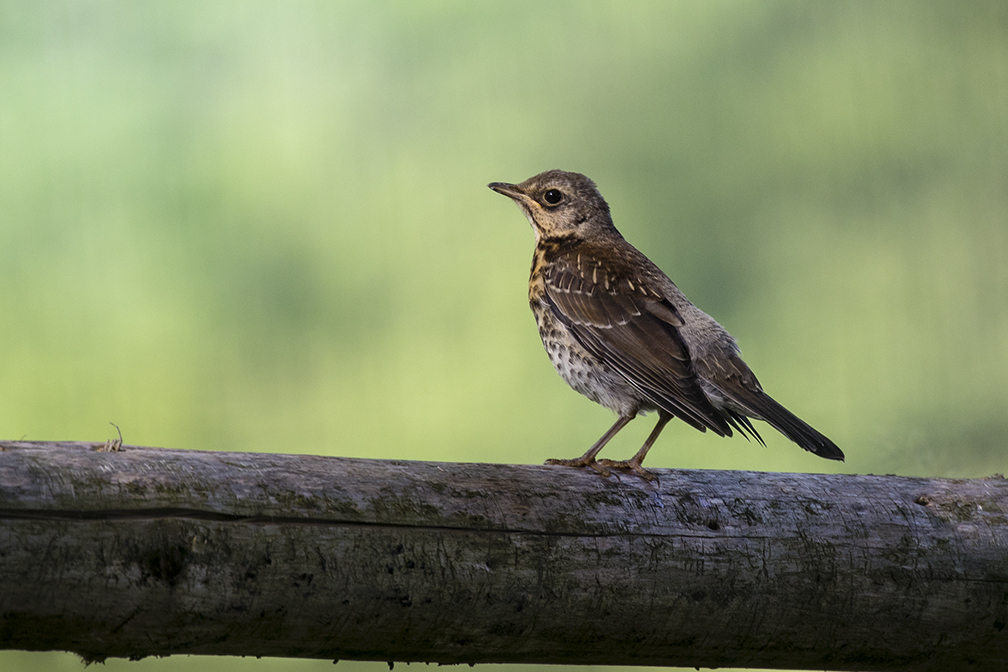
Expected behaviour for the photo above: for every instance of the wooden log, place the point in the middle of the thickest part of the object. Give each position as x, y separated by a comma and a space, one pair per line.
153, 552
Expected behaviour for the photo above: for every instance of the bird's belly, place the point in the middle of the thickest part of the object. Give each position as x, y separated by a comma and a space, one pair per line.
584, 372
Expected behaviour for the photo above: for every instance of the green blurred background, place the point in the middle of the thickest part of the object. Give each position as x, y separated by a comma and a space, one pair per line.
265, 226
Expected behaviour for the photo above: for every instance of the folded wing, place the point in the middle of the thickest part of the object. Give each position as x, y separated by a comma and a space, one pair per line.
634, 330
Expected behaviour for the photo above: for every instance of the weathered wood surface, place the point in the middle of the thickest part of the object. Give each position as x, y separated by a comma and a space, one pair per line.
153, 552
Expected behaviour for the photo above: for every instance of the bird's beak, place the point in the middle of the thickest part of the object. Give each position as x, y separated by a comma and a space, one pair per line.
509, 190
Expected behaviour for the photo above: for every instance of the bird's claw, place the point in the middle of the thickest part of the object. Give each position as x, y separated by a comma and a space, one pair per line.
581, 462
632, 465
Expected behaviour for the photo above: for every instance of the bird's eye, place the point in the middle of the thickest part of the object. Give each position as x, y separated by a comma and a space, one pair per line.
553, 196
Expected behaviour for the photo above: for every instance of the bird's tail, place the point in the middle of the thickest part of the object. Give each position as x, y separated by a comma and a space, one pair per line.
793, 427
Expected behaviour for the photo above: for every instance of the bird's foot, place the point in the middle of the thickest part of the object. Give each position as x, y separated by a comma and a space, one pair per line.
631, 464
583, 461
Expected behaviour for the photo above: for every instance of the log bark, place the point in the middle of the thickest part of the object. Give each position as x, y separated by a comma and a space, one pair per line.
154, 552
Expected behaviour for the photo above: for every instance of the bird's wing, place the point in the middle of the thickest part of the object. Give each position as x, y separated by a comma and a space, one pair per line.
634, 330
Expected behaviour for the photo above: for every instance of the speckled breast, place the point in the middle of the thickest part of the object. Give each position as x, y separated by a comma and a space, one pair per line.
584, 372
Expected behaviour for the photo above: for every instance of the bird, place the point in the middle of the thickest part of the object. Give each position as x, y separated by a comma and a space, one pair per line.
621, 333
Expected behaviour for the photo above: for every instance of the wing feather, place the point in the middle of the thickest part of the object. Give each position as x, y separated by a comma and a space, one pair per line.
635, 334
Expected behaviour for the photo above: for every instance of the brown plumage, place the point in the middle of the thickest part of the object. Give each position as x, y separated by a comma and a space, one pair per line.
622, 334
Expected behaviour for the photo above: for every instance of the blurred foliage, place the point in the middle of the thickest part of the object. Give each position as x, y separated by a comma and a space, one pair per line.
264, 226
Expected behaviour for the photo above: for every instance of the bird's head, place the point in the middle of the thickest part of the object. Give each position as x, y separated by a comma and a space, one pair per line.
559, 204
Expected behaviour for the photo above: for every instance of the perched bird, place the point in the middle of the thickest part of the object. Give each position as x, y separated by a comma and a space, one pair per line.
622, 334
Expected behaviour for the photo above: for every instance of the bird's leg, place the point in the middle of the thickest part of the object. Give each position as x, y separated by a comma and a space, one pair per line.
588, 459
634, 463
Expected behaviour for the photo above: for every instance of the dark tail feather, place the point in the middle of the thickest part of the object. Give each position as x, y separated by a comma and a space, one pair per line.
743, 426
794, 428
